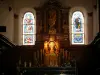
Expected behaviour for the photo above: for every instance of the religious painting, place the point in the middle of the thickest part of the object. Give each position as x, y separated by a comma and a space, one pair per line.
52, 17
52, 21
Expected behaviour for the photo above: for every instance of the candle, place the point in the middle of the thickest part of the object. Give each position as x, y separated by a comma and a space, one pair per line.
30, 64
41, 56
25, 64
20, 61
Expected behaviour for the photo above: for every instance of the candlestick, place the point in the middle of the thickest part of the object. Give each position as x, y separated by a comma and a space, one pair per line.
30, 64
25, 64
41, 55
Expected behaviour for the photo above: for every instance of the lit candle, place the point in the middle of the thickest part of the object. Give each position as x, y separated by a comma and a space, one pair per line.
69, 56
66, 54
20, 61
34, 57
43, 51
63, 53
37, 54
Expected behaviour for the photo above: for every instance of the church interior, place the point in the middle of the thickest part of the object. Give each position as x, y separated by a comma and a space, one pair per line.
49, 37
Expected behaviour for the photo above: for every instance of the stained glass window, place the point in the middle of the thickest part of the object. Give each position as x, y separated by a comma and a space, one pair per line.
77, 28
28, 29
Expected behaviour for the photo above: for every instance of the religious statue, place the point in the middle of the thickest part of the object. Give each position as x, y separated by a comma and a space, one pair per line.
53, 54
51, 48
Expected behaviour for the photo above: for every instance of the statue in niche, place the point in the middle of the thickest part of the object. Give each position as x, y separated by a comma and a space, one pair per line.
52, 21
65, 27
52, 55
51, 48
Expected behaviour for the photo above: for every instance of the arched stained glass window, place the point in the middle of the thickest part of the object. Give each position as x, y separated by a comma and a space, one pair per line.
29, 33
77, 28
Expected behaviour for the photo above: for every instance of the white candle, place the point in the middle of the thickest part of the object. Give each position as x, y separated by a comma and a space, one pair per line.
25, 64
30, 64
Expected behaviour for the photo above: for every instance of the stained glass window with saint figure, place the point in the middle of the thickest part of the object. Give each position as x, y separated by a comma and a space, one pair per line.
28, 29
77, 28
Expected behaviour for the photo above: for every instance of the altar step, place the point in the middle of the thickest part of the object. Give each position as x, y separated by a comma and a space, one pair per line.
48, 71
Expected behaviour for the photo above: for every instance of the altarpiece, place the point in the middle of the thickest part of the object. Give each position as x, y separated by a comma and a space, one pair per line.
52, 24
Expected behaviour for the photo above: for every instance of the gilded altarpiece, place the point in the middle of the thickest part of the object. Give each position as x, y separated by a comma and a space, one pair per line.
52, 27
52, 12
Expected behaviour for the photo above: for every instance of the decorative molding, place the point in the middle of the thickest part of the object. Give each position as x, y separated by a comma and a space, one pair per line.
52, 3
53, 20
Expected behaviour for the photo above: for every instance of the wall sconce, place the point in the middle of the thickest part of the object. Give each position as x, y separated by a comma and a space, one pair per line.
15, 16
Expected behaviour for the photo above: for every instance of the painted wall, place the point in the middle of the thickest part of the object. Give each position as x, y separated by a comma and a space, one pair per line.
6, 19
